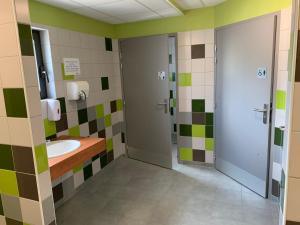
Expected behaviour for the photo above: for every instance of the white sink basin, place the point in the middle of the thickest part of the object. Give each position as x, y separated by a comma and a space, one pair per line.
58, 148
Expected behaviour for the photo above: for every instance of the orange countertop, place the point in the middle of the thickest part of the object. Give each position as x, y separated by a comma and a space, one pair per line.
89, 147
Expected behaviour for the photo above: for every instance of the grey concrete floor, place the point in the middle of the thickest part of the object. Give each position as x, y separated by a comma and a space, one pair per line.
129, 192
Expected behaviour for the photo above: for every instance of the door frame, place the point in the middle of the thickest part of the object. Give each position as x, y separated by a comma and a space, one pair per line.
274, 75
124, 127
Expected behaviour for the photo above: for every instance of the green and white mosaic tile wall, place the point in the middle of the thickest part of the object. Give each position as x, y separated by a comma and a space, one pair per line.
25, 186
101, 115
195, 116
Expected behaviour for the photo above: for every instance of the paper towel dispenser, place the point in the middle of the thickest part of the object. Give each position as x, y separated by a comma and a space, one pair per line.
77, 90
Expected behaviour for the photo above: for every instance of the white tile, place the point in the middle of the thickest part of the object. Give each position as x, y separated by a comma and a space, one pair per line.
209, 36
8, 43
44, 107
284, 40
72, 119
185, 105
184, 38
184, 52
209, 106
84, 130
108, 132
45, 185
7, 11
33, 101
22, 11
29, 71
209, 50
282, 79
286, 18
184, 66
209, 65
293, 199
11, 72
198, 79
20, 132
209, 78
283, 60
198, 37
276, 171
209, 93
294, 166
198, 143
198, 65
2, 104
114, 118
209, 156
96, 166
198, 92
38, 132
280, 116
296, 108
106, 108
185, 93
78, 179
4, 132
31, 211
115, 45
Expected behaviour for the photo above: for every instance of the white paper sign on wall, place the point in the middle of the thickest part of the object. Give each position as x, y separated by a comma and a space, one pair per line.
262, 73
71, 66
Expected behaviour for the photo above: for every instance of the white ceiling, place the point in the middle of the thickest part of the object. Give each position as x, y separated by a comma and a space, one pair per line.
123, 11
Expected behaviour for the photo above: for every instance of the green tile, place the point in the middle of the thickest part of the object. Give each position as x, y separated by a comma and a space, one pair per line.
108, 44
25, 38
119, 105
15, 103
74, 131
209, 144
82, 116
186, 154
8, 182
99, 111
185, 79
104, 83
41, 158
209, 119
87, 171
280, 99
198, 105
198, 130
209, 131
77, 168
185, 130
109, 145
64, 76
50, 127
278, 139
6, 158
107, 120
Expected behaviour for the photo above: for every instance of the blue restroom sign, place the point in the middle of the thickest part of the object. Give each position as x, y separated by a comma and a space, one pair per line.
262, 73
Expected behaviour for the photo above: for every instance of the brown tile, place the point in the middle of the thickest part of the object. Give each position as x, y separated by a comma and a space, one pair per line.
101, 134
198, 51
23, 159
292, 223
198, 118
62, 124
297, 72
27, 186
199, 155
275, 188
113, 106
93, 127
10, 221
52, 223
58, 192
110, 156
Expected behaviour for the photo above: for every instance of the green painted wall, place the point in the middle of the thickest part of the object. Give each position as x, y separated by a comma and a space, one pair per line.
233, 11
48, 15
192, 20
226, 13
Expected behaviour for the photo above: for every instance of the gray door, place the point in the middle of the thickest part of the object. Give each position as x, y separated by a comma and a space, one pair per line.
245, 54
148, 126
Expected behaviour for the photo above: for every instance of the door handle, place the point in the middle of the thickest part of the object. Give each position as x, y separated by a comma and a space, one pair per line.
165, 104
265, 111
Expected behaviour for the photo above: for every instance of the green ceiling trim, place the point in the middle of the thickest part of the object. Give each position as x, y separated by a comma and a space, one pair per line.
41, 13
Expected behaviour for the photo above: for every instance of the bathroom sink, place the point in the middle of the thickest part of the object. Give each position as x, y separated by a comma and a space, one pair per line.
58, 148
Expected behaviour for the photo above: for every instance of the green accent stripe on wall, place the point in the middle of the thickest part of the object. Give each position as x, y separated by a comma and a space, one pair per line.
52, 16
233, 11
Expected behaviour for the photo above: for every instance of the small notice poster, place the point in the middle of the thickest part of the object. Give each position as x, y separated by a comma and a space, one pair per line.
71, 66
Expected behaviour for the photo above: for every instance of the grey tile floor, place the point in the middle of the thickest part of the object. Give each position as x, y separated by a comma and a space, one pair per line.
129, 192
